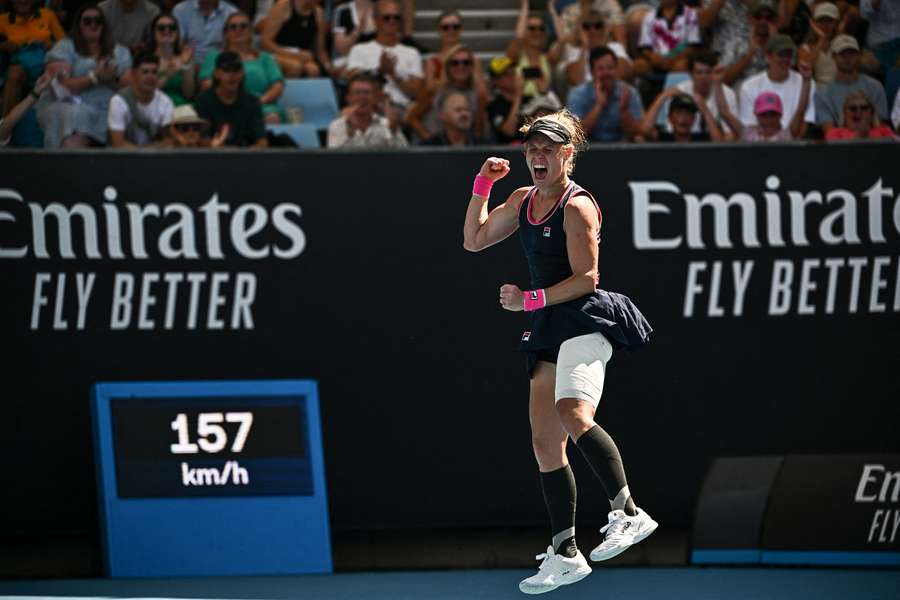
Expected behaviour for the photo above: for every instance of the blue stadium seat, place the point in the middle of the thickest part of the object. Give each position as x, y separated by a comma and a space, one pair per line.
303, 134
316, 96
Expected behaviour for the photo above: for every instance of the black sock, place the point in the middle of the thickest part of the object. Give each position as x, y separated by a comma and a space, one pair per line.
559, 495
603, 456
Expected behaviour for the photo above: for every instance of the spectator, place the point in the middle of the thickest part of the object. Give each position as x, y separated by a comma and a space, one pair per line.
701, 67
401, 65
884, 30
682, 114
361, 126
294, 32
89, 68
668, 37
895, 113
262, 77
457, 75
859, 121
609, 109
177, 75
503, 110
740, 35
829, 102
353, 23
781, 79
187, 130
456, 121
226, 104
768, 109
450, 28
592, 34
200, 23
817, 51
140, 115
568, 23
526, 50
26, 32
12, 118
127, 19
540, 106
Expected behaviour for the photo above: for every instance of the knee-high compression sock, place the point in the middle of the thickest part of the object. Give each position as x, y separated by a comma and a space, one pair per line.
559, 495
603, 456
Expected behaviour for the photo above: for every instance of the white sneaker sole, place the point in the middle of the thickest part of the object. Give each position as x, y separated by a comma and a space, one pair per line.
613, 552
573, 578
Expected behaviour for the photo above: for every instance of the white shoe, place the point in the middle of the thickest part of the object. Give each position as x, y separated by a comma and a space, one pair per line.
622, 532
555, 570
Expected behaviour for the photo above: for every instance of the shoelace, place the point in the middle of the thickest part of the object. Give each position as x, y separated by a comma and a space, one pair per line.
616, 528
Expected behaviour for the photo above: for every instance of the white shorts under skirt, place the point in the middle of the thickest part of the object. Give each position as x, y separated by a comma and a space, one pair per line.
581, 367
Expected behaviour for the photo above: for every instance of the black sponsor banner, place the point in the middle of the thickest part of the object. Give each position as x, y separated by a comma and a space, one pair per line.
836, 503
770, 275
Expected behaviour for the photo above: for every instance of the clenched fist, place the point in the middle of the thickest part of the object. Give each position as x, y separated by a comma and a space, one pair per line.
511, 296
494, 169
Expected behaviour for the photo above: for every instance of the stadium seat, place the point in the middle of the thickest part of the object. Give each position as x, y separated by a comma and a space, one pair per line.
303, 134
316, 96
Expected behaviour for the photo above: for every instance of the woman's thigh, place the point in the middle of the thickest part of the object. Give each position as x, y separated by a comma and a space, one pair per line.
547, 433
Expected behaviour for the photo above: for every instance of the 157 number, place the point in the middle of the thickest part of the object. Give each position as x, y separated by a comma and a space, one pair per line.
211, 437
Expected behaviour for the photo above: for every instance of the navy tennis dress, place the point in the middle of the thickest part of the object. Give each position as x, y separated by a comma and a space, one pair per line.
612, 314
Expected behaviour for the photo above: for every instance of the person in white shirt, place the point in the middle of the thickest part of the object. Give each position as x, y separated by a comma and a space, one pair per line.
139, 115
701, 67
592, 33
401, 65
360, 126
895, 113
782, 80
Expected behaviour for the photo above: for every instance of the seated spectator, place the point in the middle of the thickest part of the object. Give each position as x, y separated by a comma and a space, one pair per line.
503, 109
682, 114
668, 38
294, 32
361, 126
781, 79
200, 23
527, 51
226, 104
399, 64
701, 67
830, 100
457, 75
740, 35
140, 115
859, 121
352, 23
768, 109
26, 32
817, 51
609, 109
540, 106
177, 75
450, 28
456, 122
895, 113
89, 69
12, 118
568, 22
262, 77
128, 19
592, 34
884, 30
188, 130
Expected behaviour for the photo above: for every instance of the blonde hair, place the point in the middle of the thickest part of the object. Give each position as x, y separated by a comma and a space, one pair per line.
445, 79
572, 124
860, 95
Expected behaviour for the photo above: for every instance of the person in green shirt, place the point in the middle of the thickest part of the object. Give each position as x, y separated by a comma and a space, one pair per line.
177, 72
262, 75
226, 105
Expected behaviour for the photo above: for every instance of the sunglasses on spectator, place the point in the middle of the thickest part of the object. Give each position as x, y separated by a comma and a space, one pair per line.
232, 68
92, 21
859, 108
460, 62
590, 26
187, 127
392, 17
536, 28
166, 27
451, 26
241, 26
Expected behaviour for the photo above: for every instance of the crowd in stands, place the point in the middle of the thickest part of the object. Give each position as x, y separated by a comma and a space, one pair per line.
210, 73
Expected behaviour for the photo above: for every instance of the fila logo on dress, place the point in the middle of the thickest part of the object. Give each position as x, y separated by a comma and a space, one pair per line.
546, 232
526, 336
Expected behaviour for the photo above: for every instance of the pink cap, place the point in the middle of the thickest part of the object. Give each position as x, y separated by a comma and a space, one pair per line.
767, 102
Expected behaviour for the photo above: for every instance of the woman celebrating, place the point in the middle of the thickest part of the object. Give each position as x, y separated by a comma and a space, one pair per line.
574, 328
859, 121
90, 69
527, 50
177, 76
262, 77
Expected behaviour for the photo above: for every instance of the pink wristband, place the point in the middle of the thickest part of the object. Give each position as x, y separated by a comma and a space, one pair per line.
482, 186
534, 300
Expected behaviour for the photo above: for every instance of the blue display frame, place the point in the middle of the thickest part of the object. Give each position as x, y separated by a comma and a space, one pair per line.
166, 537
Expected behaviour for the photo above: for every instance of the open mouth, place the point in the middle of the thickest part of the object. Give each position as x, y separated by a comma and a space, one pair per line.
540, 172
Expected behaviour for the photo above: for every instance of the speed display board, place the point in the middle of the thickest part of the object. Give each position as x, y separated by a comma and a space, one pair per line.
211, 478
